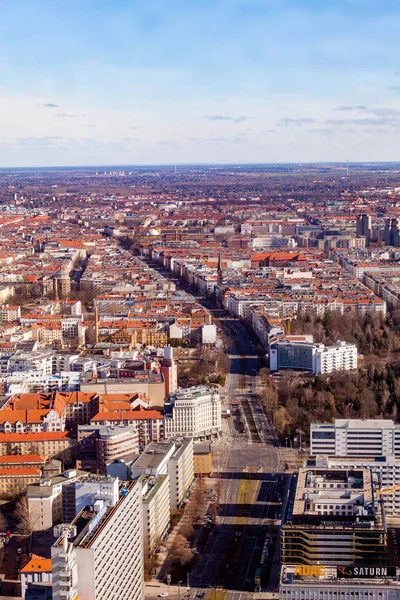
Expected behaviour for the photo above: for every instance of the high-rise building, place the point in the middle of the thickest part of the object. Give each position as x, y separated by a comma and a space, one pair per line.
334, 518
364, 227
392, 232
103, 557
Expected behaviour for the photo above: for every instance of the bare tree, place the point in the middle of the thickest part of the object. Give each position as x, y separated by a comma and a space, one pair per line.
26, 520
3, 522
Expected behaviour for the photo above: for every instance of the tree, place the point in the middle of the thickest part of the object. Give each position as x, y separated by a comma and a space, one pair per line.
3, 522
26, 520
181, 552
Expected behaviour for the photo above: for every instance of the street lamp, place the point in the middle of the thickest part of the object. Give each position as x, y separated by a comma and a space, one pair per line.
179, 590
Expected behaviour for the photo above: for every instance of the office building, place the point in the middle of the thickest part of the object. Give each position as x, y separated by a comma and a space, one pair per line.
193, 412
355, 437
101, 444
364, 227
316, 358
100, 556
334, 518
387, 469
156, 510
173, 457
329, 586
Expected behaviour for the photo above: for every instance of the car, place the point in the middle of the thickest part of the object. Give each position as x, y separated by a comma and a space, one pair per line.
197, 551
19, 550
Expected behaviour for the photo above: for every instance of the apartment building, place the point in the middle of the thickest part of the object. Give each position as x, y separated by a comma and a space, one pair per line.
193, 412
102, 559
316, 358
156, 510
173, 457
355, 437
37, 570
47, 444
334, 518
14, 480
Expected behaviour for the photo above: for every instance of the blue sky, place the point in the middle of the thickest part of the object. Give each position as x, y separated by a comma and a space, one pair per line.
177, 81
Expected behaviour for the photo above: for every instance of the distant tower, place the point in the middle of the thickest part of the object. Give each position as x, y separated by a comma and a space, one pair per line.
219, 270
364, 227
347, 167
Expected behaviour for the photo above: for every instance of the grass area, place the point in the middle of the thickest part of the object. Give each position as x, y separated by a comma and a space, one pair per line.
216, 595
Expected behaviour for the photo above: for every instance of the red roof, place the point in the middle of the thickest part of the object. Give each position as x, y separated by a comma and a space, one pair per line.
128, 415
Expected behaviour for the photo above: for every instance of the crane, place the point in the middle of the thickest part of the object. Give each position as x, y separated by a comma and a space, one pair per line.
389, 490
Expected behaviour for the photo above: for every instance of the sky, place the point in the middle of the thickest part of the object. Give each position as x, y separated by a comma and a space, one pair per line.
102, 82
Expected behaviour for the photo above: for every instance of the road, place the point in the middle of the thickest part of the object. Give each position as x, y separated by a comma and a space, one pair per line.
248, 466
248, 462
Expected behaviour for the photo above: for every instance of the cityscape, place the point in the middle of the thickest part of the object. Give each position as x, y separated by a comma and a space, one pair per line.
199, 300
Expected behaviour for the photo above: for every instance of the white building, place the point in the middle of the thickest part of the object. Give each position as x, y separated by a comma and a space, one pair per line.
156, 510
172, 457
315, 358
208, 334
37, 570
193, 412
86, 492
328, 585
104, 558
355, 437
387, 469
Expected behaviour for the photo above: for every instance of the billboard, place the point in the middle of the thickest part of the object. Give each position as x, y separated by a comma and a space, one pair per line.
351, 572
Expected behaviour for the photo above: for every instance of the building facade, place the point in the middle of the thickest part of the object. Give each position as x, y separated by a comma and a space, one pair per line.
316, 358
193, 412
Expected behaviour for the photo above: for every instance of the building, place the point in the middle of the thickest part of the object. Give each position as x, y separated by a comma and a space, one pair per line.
101, 557
45, 499
149, 423
86, 492
355, 437
334, 518
316, 358
48, 444
101, 444
364, 227
169, 371
14, 480
156, 510
327, 584
173, 457
193, 412
202, 456
387, 469
36, 570
392, 232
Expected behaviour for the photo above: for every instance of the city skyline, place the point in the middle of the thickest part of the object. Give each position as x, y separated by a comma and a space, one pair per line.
225, 81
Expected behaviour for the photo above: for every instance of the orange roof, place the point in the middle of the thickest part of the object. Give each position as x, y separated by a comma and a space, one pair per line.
23, 416
127, 415
20, 471
37, 564
25, 458
41, 436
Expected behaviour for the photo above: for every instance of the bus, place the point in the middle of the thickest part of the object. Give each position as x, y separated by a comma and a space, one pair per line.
257, 577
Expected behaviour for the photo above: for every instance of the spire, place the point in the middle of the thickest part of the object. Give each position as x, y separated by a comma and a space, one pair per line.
219, 270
